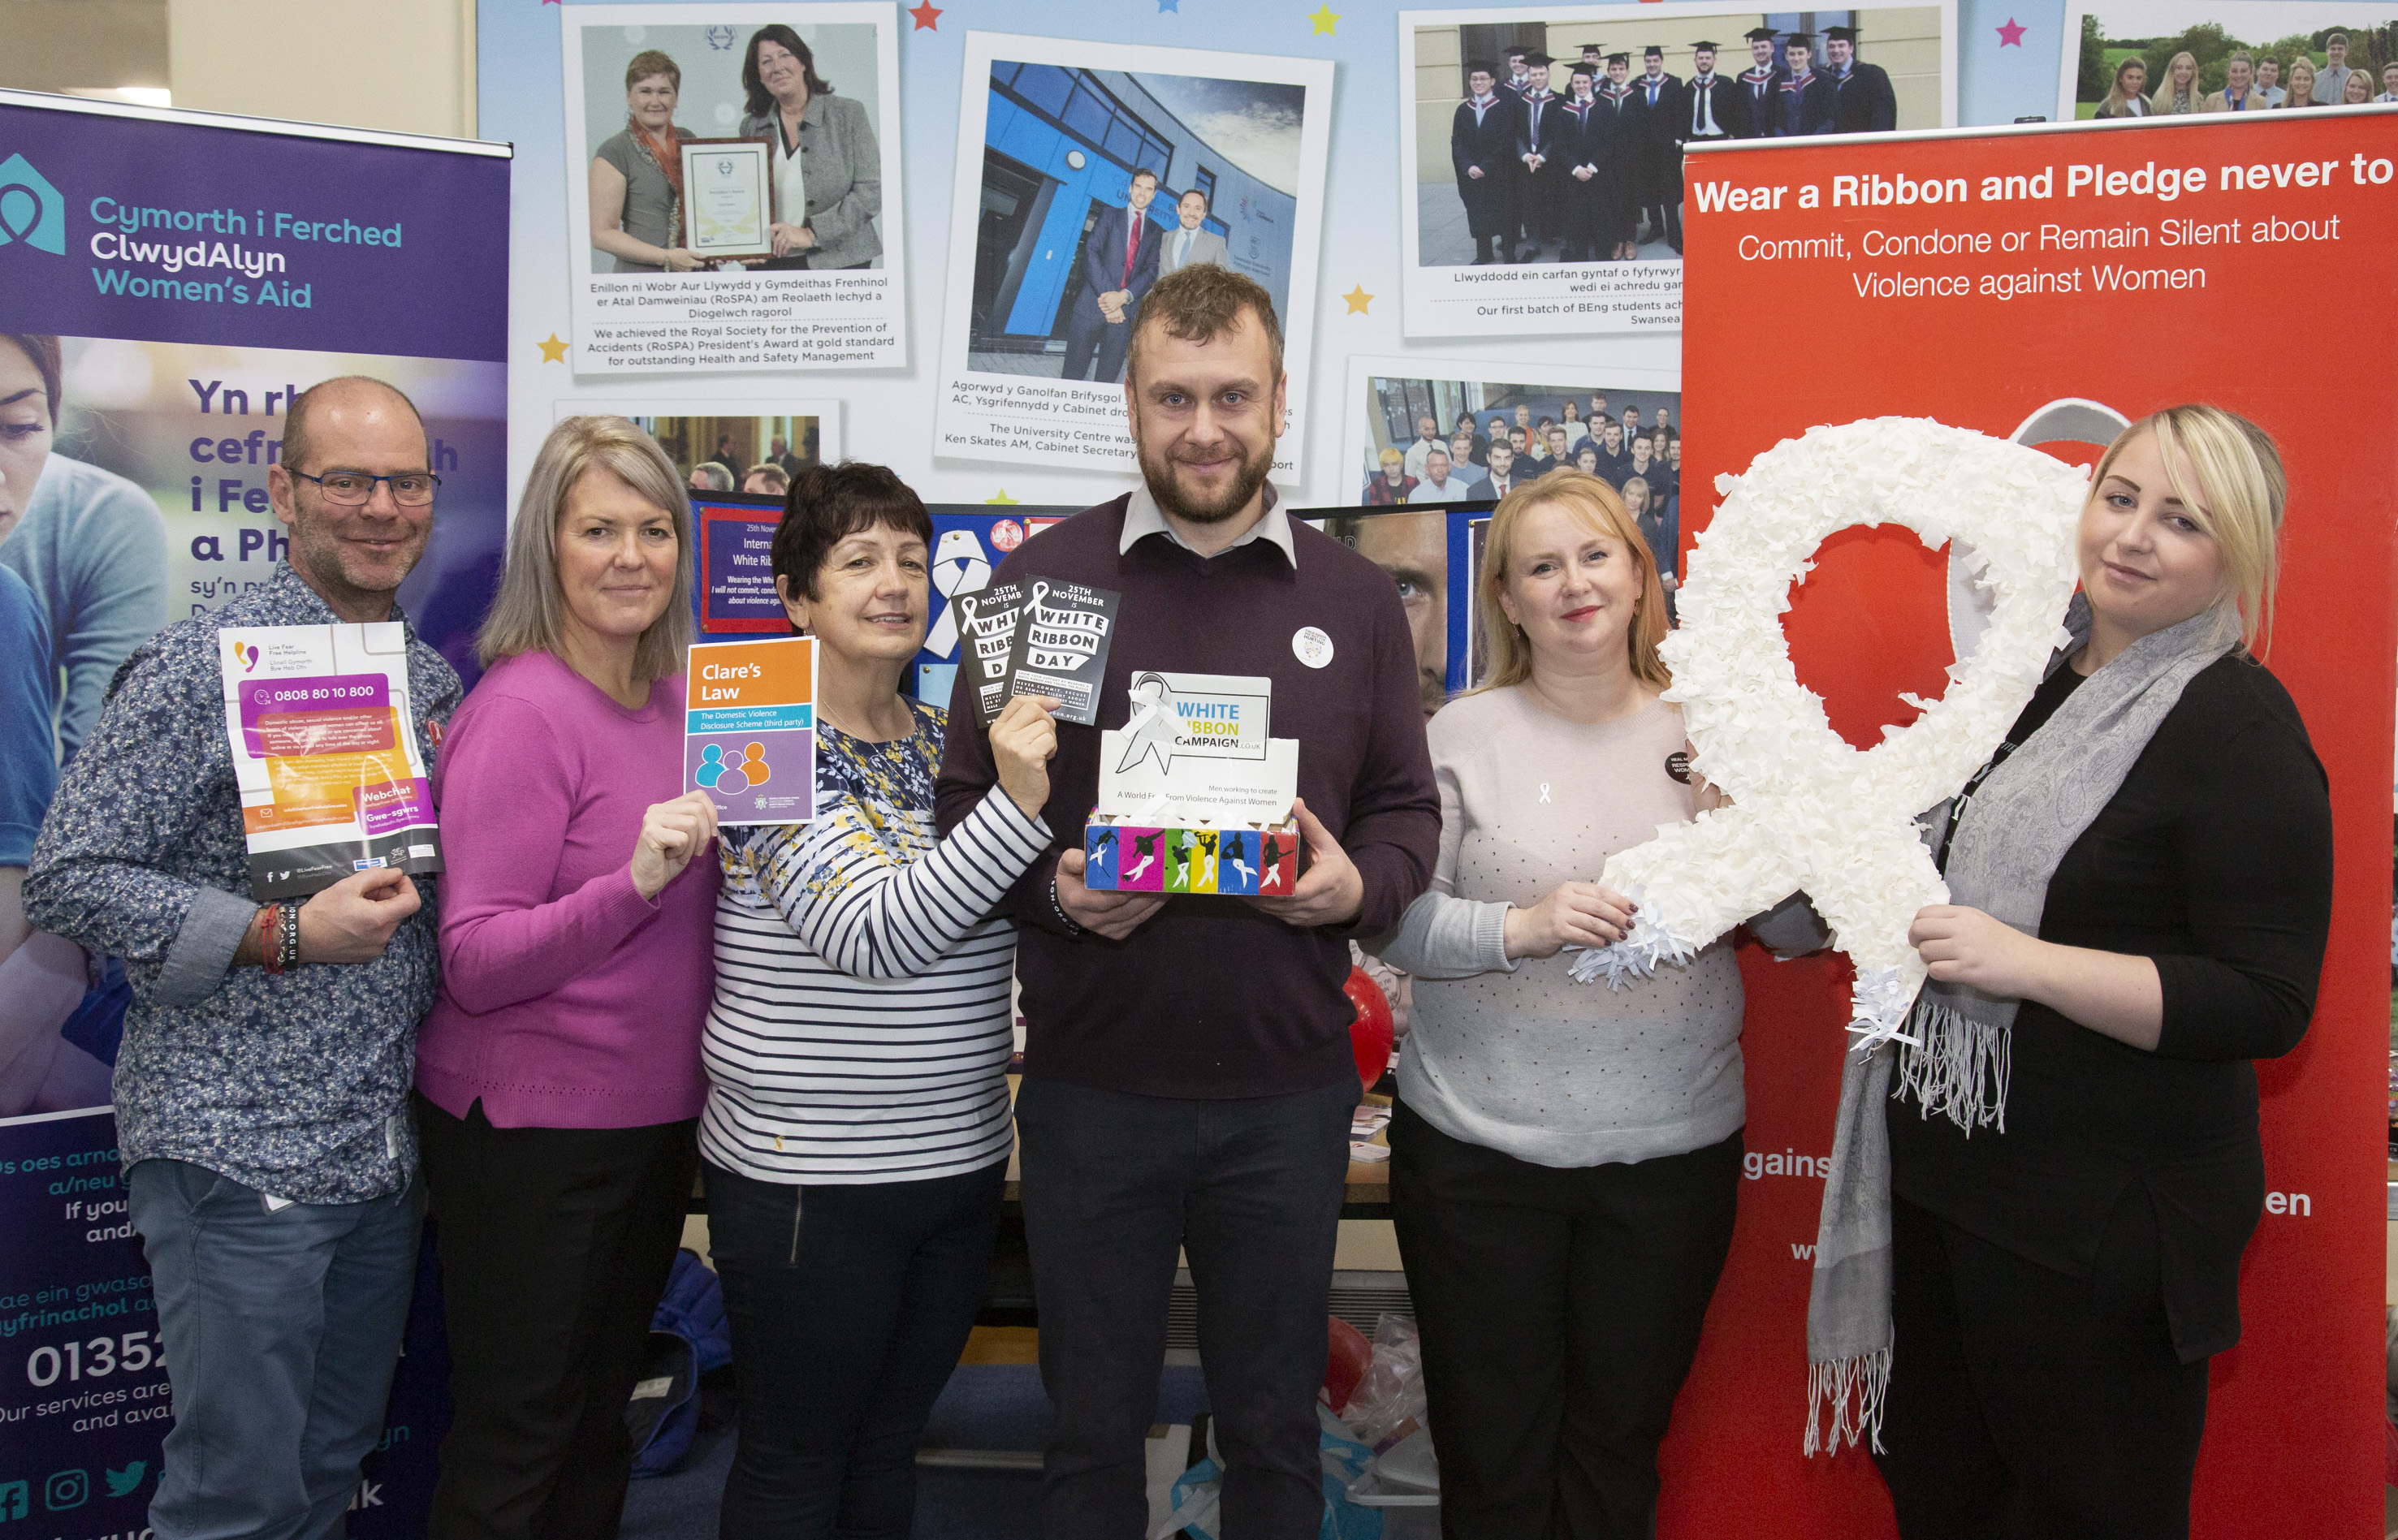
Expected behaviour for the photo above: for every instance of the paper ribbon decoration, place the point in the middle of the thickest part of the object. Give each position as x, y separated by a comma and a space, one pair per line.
1150, 730
1809, 810
959, 566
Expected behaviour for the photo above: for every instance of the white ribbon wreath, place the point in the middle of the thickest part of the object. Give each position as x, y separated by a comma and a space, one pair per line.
1810, 810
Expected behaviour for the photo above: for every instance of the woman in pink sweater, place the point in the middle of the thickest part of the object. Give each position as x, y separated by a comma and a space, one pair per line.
558, 1077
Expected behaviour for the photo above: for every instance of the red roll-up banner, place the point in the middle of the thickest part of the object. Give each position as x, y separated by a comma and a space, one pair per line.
2029, 282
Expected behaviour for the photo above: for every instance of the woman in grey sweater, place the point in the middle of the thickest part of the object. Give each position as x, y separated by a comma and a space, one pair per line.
1566, 1157
828, 164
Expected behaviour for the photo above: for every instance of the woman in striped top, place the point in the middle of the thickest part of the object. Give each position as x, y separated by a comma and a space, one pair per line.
857, 1123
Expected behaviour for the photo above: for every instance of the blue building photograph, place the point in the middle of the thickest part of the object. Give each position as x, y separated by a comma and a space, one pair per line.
1097, 183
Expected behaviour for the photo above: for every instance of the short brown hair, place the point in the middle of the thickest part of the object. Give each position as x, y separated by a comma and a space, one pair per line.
650, 61
827, 504
1199, 304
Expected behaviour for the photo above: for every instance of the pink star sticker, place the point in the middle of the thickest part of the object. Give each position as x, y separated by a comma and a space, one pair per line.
927, 15
2011, 35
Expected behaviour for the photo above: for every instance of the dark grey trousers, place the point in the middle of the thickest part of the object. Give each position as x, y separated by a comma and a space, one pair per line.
1250, 1190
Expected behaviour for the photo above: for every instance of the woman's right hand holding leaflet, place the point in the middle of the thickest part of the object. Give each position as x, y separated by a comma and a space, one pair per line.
1022, 742
1578, 914
671, 834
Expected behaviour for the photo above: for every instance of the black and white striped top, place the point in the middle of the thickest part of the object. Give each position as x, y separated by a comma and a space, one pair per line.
860, 1030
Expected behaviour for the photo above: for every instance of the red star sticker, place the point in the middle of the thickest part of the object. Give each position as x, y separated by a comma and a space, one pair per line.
927, 17
2011, 35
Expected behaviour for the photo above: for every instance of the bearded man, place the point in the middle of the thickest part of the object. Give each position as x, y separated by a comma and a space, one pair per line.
1188, 1078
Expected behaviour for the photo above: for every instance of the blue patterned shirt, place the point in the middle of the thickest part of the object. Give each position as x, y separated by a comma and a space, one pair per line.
296, 1085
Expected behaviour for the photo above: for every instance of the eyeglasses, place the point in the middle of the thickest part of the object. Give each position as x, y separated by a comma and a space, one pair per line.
355, 489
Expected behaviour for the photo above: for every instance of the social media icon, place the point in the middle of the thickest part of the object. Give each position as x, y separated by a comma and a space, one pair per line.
123, 1481
66, 1488
16, 1500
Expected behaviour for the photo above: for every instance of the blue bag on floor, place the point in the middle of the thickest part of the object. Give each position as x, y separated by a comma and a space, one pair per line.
688, 1337
1197, 1495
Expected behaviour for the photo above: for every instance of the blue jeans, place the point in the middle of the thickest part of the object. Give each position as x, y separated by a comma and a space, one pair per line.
280, 1331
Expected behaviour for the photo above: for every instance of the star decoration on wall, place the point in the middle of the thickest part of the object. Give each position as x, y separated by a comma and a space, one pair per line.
2011, 35
1165, 6
1325, 18
1358, 299
553, 351
1001, 497
927, 16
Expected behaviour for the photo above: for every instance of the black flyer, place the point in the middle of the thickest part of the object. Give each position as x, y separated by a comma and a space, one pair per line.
987, 622
1061, 647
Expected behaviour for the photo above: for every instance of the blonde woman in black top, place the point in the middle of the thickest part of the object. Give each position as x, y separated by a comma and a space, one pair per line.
2157, 841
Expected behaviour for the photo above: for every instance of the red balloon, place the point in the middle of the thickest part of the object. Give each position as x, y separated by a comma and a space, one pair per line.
1345, 1366
1371, 1033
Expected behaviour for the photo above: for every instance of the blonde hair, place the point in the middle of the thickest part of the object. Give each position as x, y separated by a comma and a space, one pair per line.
529, 614
2296, 98
1595, 503
2166, 95
2239, 500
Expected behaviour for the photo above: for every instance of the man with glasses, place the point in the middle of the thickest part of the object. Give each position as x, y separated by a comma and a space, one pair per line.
261, 1089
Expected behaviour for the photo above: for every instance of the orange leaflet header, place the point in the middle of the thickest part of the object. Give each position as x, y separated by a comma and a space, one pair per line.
729, 674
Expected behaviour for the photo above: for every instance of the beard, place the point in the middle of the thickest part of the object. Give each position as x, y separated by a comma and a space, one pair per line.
1157, 468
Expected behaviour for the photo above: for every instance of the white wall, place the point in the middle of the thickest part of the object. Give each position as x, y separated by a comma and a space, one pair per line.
402, 65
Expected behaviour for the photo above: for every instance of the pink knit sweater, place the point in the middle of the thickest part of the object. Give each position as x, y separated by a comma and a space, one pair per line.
568, 1001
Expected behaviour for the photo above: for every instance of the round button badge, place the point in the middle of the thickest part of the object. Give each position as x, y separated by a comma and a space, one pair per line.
1311, 645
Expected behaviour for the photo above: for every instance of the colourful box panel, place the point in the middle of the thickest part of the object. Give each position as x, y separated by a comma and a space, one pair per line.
1140, 859
1234, 862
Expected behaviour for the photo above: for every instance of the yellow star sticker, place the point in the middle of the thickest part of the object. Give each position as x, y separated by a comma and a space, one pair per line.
1002, 496
1358, 299
553, 351
1325, 17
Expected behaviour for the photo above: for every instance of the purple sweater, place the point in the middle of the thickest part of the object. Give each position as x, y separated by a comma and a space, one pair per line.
568, 1000
1214, 998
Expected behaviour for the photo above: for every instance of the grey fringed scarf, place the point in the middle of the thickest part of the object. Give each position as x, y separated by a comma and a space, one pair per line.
2029, 808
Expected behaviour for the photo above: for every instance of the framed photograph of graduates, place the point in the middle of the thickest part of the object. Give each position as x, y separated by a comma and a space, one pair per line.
728, 202
1435, 445
2164, 58
732, 188
1541, 147
1102, 169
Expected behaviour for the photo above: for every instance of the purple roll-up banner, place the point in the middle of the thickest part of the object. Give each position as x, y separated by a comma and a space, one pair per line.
197, 271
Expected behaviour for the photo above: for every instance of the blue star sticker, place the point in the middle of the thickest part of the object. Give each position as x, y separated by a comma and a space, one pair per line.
1165, 6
